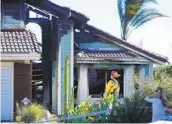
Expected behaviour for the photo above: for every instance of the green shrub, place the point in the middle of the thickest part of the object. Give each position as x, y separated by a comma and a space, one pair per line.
163, 78
103, 118
134, 110
31, 113
85, 108
167, 70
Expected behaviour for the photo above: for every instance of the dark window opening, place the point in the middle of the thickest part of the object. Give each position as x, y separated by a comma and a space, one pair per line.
98, 78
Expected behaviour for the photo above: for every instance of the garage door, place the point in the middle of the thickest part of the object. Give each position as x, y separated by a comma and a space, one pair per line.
6, 91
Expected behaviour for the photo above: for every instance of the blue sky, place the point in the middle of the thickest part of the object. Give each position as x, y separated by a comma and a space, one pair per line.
155, 36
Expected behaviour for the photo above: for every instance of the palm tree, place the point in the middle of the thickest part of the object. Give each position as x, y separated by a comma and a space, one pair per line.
134, 13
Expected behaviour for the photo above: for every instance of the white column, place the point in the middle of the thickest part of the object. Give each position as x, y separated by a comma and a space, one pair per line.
83, 87
58, 95
141, 76
151, 72
128, 81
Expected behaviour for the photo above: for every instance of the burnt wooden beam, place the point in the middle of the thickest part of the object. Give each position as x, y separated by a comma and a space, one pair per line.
54, 35
26, 14
39, 21
46, 56
40, 12
59, 11
84, 37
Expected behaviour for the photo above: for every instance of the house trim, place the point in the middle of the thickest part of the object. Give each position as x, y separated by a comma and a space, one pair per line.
20, 56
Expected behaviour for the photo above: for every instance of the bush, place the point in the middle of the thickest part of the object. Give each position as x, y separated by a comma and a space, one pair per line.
85, 108
133, 110
163, 78
167, 70
31, 113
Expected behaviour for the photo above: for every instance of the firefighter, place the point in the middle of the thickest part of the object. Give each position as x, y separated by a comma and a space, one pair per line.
112, 87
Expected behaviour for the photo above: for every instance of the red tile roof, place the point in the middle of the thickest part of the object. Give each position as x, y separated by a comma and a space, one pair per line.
18, 42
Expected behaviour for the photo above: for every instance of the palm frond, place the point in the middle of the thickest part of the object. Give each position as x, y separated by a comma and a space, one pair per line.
143, 14
133, 14
121, 12
143, 17
145, 2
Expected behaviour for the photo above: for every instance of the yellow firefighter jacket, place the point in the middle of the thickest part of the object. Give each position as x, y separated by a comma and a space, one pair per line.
112, 87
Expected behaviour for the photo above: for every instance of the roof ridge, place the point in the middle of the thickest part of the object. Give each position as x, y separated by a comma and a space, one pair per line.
58, 10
